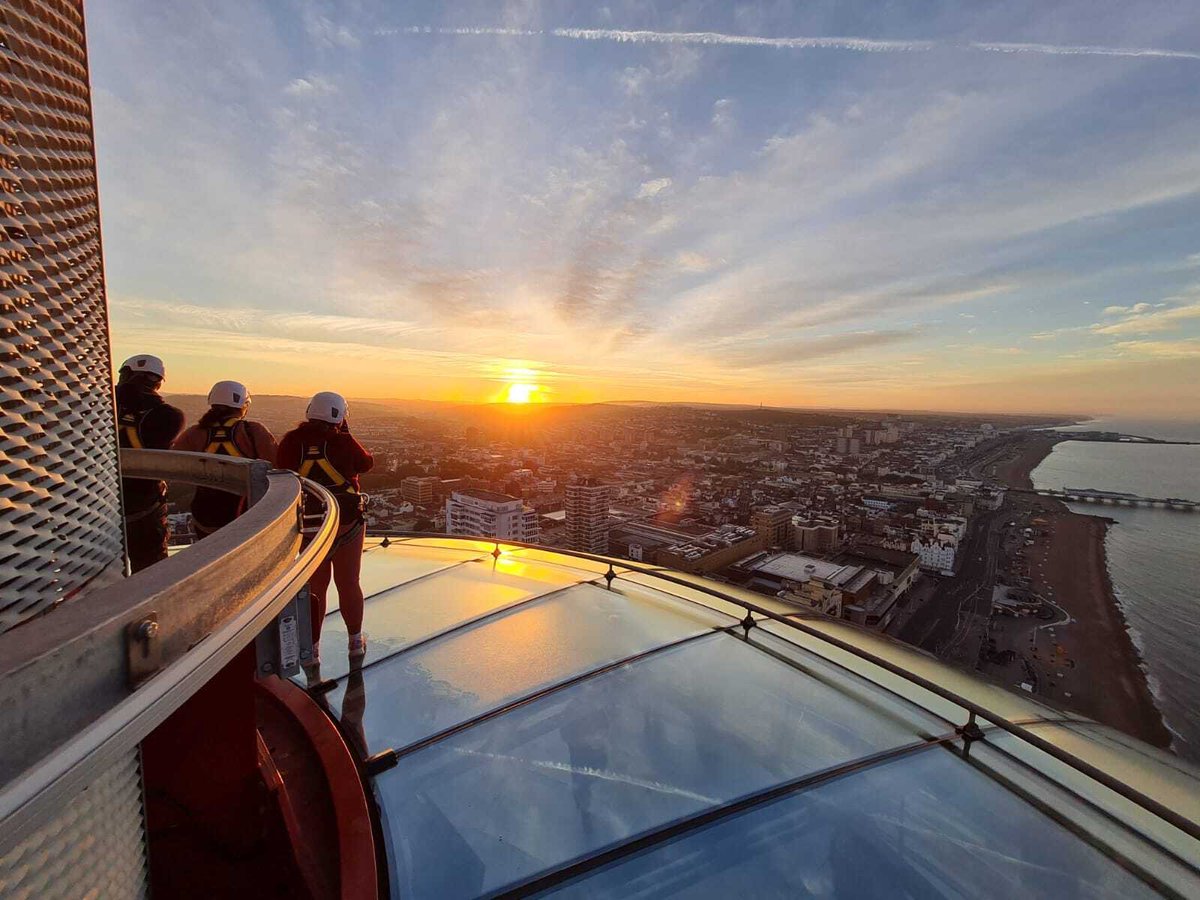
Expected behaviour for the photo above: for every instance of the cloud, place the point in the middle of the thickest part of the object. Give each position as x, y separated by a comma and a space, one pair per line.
797, 351
855, 44
1143, 322
653, 188
722, 116
312, 86
693, 262
1137, 308
1185, 349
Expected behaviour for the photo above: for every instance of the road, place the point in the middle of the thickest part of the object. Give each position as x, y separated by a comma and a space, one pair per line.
943, 624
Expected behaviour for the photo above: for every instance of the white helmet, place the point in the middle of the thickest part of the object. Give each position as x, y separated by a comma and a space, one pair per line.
144, 362
229, 393
327, 407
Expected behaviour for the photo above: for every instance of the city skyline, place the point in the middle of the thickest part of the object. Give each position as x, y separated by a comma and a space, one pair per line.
956, 212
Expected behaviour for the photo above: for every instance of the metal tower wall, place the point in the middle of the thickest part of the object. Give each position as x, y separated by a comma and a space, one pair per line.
60, 515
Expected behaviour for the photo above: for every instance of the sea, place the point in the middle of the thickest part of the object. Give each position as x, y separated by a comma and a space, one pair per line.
1153, 554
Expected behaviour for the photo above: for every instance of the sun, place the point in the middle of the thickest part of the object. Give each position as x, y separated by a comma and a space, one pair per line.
521, 392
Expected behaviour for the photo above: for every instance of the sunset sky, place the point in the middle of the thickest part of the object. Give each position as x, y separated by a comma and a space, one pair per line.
993, 209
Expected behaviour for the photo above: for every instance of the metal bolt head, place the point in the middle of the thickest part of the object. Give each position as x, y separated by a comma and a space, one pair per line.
268, 668
147, 630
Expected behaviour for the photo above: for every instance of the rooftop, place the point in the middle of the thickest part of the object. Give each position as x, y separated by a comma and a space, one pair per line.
538, 722
800, 567
487, 496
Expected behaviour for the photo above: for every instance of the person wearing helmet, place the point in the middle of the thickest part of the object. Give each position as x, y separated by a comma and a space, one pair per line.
225, 431
144, 420
322, 449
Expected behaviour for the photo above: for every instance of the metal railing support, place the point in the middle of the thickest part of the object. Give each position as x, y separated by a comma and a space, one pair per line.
67, 708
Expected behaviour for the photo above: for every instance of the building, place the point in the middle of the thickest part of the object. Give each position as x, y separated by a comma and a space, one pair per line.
587, 516
642, 540
774, 524
480, 513
715, 550
823, 586
814, 535
935, 552
419, 489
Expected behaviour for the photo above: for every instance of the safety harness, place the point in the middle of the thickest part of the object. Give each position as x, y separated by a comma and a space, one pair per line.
220, 438
315, 465
316, 460
129, 434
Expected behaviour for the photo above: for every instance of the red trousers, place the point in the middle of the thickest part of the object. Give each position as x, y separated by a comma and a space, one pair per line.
343, 565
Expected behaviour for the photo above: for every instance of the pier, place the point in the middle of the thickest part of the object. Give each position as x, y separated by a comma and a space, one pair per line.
1115, 498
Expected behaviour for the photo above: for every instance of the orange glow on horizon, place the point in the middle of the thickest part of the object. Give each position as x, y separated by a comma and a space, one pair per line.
520, 392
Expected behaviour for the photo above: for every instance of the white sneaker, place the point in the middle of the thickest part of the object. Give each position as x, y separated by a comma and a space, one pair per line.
357, 646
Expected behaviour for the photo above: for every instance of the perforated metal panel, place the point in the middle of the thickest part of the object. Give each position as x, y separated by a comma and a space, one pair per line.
60, 523
95, 847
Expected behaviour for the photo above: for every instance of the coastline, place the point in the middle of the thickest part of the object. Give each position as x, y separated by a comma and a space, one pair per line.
1089, 663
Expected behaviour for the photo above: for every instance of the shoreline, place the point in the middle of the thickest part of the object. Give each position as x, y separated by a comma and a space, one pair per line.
1091, 663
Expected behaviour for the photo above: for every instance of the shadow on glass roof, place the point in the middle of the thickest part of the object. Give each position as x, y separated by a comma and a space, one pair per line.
536, 723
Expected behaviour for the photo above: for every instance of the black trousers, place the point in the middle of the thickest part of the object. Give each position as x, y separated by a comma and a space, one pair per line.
146, 534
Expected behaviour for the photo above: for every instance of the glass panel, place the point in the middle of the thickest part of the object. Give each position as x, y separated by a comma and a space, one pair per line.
999, 700
697, 596
923, 826
552, 556
448, 681
409, 613
387, 567
1168, 780
923, 722
667, 736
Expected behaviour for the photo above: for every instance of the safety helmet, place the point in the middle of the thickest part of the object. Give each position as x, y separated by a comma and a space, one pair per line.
144, 362
229, 393
327, 407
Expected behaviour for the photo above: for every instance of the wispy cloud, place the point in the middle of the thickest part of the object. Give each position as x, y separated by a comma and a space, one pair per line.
1140, 321
1185, 349
855, 44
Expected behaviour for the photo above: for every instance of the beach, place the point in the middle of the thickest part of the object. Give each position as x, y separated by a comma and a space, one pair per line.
1084, 660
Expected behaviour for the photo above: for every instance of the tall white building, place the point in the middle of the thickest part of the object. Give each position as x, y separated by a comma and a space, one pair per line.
491, 514
587, 516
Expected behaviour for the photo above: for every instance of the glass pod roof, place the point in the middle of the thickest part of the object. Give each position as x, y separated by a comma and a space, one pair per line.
537, 727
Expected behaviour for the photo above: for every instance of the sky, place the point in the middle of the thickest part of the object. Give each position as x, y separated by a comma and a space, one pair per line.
913, 205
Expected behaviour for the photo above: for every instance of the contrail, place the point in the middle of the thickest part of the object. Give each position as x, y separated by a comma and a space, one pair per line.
856, 44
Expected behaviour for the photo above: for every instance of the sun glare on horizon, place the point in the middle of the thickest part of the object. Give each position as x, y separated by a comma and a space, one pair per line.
521, 392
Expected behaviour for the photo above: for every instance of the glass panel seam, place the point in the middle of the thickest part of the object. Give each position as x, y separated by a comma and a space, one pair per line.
497, 613
553, 689
655, 836
411, 581
1079, 832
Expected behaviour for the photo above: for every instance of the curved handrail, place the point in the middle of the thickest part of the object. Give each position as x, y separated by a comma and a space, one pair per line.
975, 710
66, 708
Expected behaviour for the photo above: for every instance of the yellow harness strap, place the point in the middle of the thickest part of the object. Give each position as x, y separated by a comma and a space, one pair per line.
220, 439
129, 429
314, 457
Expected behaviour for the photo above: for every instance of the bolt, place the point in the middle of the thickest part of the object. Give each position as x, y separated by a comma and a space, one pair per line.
147, 630
268, 668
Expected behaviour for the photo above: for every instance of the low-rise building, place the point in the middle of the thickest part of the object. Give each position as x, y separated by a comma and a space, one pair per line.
713, 551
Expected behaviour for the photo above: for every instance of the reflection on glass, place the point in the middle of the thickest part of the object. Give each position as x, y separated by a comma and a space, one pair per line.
450, 680
610, 757
412, 612
922, 826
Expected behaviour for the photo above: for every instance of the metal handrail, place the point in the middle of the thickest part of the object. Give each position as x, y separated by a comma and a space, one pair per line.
975, 710
66, 707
